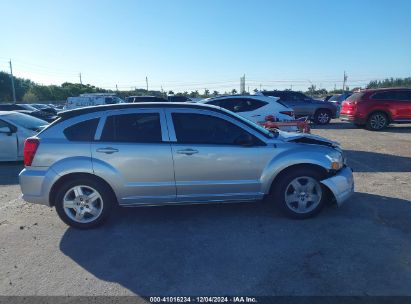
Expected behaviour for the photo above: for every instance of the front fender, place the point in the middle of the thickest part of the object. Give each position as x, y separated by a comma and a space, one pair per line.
287, 158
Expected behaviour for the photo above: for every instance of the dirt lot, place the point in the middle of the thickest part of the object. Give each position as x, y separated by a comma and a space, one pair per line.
362, 248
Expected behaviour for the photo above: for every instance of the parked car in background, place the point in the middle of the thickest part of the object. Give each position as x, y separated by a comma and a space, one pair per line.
44, 108
377, 108
14, 129
339, 98
94, 99
151, 154
133, 99
255, 108
29, 110
326, 98
321, 112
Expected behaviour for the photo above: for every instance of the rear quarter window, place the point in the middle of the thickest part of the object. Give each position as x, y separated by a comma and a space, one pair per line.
82, 131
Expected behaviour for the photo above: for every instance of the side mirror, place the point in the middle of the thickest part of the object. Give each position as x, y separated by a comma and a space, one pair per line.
6, 130
245, 140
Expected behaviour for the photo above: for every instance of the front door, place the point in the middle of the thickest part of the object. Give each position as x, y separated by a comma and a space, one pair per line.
133, 148
211, 162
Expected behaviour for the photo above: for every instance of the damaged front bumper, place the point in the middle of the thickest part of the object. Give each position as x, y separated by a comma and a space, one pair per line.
341, 185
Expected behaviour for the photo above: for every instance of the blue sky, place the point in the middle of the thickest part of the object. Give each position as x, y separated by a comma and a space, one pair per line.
186, 44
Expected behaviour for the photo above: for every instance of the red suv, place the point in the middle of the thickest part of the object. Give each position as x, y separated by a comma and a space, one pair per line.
377, 108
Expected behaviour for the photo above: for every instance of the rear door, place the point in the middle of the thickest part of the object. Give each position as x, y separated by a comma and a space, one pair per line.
132, 146
404, 105
8, 144
210, 162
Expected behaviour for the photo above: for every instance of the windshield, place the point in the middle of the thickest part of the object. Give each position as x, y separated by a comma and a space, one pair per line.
251, 124
28, 107
25, 121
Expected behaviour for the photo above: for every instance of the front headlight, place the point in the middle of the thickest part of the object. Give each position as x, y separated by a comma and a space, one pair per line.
336, 159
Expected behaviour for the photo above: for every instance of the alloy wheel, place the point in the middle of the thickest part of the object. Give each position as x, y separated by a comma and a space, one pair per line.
83, 204
303, 194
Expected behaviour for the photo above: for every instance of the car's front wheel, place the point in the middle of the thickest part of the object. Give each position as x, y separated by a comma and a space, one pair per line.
83, 203
299, 193
322, 117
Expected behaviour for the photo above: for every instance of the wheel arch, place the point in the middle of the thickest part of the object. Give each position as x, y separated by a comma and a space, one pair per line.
385, 112
301, 166
71, 176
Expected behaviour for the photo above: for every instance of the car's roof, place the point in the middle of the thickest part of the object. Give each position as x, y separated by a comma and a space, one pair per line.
257, 97
385, 89
165, 104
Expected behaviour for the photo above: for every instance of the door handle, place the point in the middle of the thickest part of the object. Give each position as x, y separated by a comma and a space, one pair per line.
107, 150
187, 151
256, 115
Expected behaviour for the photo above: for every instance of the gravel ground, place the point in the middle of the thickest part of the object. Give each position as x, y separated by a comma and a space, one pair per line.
362, 248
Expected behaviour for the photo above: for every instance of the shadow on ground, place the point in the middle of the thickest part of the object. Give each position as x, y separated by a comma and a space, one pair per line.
9, 172
251, 249
364, 161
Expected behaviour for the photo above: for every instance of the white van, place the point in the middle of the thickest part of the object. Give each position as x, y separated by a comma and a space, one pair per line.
87, 100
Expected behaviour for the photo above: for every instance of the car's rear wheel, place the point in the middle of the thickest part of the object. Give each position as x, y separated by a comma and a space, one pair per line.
377, 121
322, 117
83, 203
299, 193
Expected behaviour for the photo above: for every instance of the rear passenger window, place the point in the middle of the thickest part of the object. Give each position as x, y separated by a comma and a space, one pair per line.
133, 128
82, 131
385, 96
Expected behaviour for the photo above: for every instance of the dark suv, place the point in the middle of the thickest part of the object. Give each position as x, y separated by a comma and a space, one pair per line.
319, 111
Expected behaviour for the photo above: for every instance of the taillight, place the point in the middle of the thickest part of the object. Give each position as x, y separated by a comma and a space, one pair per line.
30, 148
289, 113
270, 118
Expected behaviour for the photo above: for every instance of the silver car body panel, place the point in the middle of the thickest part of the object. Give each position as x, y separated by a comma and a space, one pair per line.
158, 173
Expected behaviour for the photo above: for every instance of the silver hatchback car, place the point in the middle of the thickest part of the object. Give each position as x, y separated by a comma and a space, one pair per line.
152, 154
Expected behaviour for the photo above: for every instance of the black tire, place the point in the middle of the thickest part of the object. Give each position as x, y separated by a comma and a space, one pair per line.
106, 202
282, 185
377, 121
322, 117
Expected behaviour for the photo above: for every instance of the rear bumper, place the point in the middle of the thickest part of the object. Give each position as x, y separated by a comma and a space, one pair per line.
35, 185
352, 118
341, 185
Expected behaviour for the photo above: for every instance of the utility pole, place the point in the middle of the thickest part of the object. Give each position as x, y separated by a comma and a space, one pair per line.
345, 79
291, 87
260, 87
116, 88
147, 83
80, 78
12, 82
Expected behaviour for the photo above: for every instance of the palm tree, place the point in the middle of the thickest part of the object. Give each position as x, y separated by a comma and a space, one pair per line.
233, 91
206, 92
215, 93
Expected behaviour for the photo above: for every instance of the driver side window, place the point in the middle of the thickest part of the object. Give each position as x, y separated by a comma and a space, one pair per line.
206, 129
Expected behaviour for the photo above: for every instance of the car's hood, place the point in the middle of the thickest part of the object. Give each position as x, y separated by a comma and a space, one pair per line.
307, 139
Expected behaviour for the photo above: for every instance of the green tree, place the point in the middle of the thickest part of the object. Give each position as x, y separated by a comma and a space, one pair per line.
206, 92
170, 92
30, 97
233, 91
215, 93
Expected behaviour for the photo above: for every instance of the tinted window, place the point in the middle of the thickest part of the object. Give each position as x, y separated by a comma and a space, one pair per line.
135, 128
205, 129
177, 98
148, 99
82, 131
404, 95
214, 102
239, 105
355, 96
110, 100
389, 95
